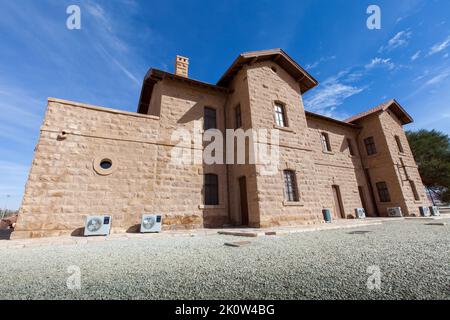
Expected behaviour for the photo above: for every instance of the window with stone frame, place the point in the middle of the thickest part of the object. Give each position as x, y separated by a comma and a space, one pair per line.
290, 186
211, 189
280, 115
399, 144
370, 146
209, 118
325, 139
383, 192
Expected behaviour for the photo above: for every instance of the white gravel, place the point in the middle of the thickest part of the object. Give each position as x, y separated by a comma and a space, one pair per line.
413, 259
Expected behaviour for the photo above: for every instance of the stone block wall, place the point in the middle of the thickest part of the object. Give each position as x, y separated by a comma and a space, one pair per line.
339, 167
66, 183
386, 166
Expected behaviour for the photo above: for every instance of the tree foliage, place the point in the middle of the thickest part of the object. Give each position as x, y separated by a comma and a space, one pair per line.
431, 151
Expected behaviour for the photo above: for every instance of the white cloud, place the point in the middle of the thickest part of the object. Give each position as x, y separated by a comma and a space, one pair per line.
110, 40
415, 56
438, 78
316, 63
379, 62
438, 47
399, 40
330, 94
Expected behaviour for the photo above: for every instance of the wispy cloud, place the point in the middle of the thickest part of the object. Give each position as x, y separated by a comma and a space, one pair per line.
401, 39
109, 39
331, 94
379, 62
416, 55
97, 11
438, 77
318, 62
109, 57
438, 47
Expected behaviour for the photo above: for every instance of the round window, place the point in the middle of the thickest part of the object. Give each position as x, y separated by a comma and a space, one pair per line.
106, 164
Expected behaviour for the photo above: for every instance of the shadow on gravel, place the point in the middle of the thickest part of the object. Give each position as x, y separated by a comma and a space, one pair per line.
5, 234
359, 232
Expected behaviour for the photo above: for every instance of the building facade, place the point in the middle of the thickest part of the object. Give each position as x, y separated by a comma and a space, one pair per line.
92, 160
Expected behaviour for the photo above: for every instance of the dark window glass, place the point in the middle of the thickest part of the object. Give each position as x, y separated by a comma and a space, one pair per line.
210, 121
238, 116
105, 164
370, 146
325, 141
280, 116
350, 147
399, 144
290, 186
211, 187
414, 190
383, 192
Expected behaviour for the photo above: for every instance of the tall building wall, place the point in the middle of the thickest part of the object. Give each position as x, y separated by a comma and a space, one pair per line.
67, 183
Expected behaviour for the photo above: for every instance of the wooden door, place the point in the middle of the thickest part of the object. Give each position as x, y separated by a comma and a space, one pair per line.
338, 207
244, 202
363, 198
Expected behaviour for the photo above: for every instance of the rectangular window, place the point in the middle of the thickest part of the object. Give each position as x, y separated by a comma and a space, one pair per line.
414, 190
290, 186
211, 188
325, 142
370, 146
399, 144
350, 147
280, 116
209, 121
238, 116
383, 192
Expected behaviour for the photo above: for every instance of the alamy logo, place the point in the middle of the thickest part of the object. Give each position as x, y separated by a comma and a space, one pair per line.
74, 280
74, 19
259, 147
374, 280
374, 20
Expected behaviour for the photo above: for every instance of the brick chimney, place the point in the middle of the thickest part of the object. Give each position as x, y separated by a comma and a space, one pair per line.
181, 66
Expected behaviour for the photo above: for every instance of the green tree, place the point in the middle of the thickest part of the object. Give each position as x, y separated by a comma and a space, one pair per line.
431, 151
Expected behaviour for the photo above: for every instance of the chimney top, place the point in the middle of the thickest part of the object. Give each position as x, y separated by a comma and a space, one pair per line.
181, 66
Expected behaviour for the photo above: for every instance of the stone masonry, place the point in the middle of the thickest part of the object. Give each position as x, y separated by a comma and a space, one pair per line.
66, 182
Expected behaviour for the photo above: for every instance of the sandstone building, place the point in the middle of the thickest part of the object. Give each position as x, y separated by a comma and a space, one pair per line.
92, 160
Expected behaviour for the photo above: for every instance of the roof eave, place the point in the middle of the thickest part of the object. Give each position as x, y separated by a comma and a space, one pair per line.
155, 75
336, 121
305, 80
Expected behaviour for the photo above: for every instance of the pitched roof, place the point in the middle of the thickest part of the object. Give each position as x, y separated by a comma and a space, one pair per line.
305, 80
392, 104
336, 121
154, 75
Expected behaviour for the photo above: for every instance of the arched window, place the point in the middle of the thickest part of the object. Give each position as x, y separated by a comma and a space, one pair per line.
290, 186
211, 189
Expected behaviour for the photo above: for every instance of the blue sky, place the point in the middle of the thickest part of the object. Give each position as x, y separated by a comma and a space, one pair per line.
104, 62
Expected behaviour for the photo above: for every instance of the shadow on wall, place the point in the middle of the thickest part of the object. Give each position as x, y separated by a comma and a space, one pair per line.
194, 113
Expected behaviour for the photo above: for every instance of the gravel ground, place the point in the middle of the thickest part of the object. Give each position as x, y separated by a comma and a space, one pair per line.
413, 259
